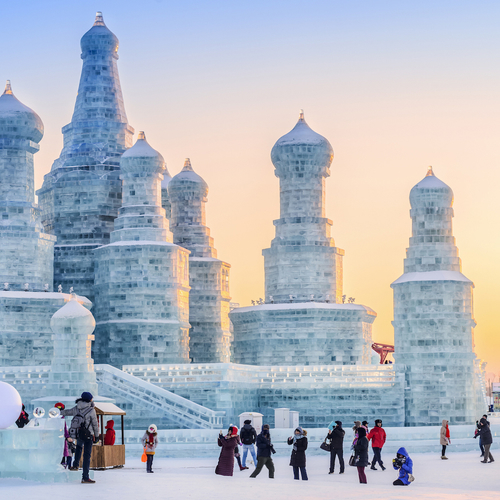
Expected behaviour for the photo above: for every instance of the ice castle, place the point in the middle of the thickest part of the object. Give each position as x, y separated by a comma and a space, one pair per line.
113, 226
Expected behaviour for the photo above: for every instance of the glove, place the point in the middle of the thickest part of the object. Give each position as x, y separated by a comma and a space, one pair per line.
96, 439
273, 451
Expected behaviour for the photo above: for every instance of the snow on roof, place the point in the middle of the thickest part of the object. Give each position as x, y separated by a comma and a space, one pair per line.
43, 296
302, 134
72, 309
141, 149
432, 276
102, 408
304, 305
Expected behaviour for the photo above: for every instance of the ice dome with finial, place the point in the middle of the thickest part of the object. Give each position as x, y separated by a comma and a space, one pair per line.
188, 180
301, 135
100, 38
142, 158
17, 121
431, 192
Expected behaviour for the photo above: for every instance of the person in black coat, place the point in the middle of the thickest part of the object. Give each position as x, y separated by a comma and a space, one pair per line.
336, 438
486, 440
264, 450
361, 452
298, 458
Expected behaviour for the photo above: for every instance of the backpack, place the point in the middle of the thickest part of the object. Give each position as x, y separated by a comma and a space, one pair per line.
78, 429
247, 436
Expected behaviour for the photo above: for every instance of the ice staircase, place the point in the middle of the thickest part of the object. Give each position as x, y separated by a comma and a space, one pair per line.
155, 400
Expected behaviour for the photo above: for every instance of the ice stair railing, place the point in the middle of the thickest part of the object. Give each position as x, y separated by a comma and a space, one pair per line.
176, 408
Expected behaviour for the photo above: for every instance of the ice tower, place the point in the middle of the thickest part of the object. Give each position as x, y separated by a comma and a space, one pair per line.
210, 336
303, 320
433, 315
141, 277
81, 195
26, 253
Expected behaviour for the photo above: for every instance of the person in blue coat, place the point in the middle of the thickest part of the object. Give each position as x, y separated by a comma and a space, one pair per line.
404, 464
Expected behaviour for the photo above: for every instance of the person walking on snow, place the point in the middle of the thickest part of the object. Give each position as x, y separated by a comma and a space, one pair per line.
264, 450
85, 429
377, 436
444, 438
298, 458
336, 438
150, 442
69, 446
486, 439
404, 464
248, 437
228, 443
361, 452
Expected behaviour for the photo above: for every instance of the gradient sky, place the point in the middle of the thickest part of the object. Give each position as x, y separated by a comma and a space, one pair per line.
395, 86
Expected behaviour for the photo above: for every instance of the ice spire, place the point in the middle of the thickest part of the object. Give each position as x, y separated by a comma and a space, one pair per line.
99, 21
8, 88
301, 116
429, 172
187, 166
141, 135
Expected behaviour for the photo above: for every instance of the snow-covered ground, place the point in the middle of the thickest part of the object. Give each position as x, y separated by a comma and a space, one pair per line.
460, 477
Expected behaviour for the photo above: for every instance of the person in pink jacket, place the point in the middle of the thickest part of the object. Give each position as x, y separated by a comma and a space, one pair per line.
377, 436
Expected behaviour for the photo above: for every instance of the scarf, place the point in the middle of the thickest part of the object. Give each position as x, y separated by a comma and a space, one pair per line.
151, 439
447, 431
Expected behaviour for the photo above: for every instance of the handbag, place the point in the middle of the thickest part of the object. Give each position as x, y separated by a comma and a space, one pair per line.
144, 457
325, 446
352, 460
411, 478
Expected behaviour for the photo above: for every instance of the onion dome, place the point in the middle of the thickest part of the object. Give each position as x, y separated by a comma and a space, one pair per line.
301, 135
17, 121
142, 158
431, 192
188, 180
99, 38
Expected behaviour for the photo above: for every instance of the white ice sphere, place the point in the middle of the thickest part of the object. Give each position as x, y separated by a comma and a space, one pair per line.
10, 405
54, 413
38, 412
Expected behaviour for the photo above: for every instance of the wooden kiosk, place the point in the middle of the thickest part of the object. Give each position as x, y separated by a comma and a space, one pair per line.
104, 456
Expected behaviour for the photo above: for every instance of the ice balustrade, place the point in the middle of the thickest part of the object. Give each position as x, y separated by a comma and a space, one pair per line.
182, 411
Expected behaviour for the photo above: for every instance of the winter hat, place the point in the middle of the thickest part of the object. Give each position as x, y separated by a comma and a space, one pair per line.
152, 428
87, 397
265, 428
338, 422
60, 406
364, 423
233, 430
300, 430
378, 421
247, 422
361, 432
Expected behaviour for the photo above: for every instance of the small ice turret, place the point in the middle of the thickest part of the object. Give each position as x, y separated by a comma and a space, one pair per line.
142, 277
26, 253
210, 335
72, 367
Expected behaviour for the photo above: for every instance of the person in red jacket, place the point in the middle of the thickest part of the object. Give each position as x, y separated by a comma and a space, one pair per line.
109, 437
377, 437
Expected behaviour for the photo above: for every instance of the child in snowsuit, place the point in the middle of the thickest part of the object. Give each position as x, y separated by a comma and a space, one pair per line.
377, 437
69, 445
298, 458
150, 442
404, 464
23, 419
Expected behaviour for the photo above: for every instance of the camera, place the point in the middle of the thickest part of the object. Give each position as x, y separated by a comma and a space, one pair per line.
398, 462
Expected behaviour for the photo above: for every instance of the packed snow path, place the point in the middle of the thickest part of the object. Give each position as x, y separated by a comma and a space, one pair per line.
459, 478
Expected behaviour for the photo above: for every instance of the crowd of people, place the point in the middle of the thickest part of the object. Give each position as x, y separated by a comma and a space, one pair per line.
84, 433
